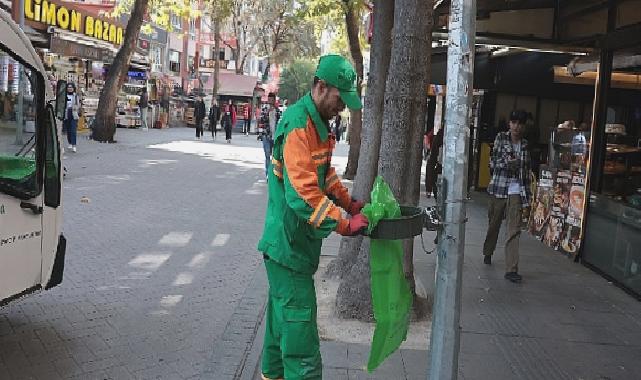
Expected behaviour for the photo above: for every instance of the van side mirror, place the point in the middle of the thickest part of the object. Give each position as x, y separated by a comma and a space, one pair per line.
61, 99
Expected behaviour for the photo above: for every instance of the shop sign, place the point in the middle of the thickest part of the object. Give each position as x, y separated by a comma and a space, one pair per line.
135, 74
209, 63
64, 17
73, 49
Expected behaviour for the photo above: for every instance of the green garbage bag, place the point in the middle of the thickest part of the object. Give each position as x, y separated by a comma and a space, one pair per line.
391, 296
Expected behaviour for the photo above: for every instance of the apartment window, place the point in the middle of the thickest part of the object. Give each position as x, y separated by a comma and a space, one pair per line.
175, 21
192, 29
174, 61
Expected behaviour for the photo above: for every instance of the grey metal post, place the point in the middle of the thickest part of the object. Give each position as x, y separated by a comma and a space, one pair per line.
445, 342
20, 105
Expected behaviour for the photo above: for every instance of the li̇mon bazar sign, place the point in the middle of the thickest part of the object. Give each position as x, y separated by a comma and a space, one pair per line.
54, 14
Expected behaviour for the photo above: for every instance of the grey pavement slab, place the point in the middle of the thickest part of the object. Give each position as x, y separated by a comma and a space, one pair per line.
563, 322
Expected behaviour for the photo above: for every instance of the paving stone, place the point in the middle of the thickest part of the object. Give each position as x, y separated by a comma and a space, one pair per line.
110, 318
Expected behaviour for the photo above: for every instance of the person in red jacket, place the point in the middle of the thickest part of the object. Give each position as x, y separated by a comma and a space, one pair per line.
247, 118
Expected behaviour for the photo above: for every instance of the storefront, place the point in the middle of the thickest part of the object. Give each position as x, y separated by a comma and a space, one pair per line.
584, 109
81, 43
613, 227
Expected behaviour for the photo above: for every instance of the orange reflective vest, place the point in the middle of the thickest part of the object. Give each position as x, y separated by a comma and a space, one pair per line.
305, 193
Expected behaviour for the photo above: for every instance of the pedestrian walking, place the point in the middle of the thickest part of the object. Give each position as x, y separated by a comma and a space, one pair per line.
510, 190
247, 119
300, 214
72, 114
434, 165
229, 120
144, 106
199, 115
269, 119
214, 117
338, 131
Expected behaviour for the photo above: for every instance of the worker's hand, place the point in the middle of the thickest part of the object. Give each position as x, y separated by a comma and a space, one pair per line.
357, 224
355, 207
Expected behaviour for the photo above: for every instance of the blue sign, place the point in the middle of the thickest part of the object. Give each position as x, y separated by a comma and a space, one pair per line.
137, 74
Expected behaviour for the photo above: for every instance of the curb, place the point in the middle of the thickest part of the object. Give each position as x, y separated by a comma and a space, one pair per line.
233, 354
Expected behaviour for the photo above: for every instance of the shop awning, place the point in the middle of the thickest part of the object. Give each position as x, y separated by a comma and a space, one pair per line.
233, 84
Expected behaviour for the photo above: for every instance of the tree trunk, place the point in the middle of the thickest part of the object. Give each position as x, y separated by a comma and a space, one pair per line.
352, 23
406, 107
216, 56
105, 121
372, 123
353, 298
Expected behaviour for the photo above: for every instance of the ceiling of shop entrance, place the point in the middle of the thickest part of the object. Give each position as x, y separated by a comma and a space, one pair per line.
545, 24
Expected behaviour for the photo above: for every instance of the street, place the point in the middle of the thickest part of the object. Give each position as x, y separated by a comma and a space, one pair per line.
161, 234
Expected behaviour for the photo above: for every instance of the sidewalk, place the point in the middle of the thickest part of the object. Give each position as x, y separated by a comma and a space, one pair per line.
563, 322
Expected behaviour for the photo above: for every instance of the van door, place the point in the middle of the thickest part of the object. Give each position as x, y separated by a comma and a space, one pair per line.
21, 183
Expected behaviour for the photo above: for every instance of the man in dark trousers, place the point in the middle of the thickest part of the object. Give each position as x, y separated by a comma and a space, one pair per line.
214, 117
199, 114
144, 105
338, 129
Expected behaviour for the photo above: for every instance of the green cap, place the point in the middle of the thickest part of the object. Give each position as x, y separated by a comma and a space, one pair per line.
339, 73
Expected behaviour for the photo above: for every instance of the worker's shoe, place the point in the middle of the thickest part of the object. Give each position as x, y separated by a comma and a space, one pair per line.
487, 259
513, 276
267, 378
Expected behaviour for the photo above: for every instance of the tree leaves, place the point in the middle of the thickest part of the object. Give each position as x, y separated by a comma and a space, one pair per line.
296, 79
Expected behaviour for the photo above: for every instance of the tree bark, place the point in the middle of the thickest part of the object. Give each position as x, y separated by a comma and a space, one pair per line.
353, 298
406, 107
352, 23
216, 21
372, 123
105, 121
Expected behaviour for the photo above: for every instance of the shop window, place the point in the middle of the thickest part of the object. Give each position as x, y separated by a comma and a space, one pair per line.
613, 231
18, 127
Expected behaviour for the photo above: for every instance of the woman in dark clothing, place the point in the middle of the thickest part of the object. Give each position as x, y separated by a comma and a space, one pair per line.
337, 128
199, 112
433, 168
214, 117
229, 119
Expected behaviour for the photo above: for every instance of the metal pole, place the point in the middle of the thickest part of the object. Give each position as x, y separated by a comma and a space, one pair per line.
20, 105
445, 342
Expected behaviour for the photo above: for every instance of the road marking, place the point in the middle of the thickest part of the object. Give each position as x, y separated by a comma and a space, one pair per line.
220, 240
176, 239
184, 278
149, 261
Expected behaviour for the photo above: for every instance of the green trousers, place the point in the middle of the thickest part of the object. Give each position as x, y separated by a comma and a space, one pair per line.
291, 349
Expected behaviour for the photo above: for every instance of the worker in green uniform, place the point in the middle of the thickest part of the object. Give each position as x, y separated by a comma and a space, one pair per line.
306, 203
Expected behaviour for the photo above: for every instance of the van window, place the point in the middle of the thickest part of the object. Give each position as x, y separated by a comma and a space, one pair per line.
18, 127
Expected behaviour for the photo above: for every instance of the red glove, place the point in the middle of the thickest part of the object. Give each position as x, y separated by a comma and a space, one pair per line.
355, 207
356, 224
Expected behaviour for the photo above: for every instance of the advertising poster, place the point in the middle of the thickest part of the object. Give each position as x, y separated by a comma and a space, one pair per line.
542, 204
571, 240
558, 212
